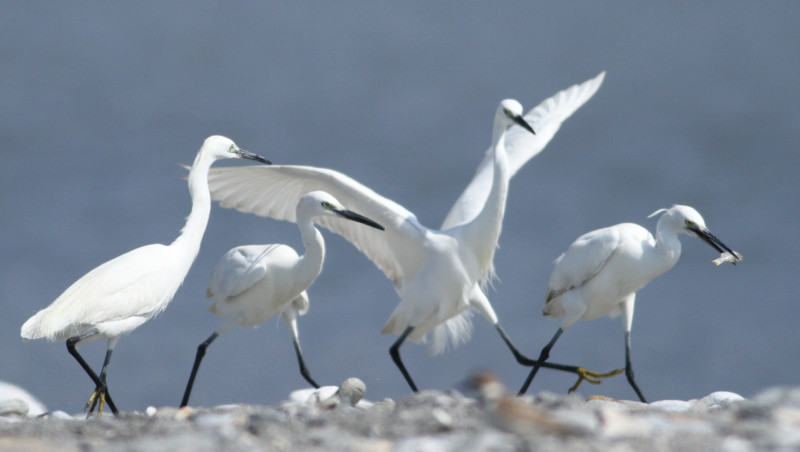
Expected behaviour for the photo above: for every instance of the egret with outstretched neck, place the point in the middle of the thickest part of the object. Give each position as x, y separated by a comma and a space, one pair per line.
436, 273
123, 293
253, 283
602, 270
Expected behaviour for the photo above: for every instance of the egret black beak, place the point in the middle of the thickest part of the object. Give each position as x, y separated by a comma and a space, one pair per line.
250, 156
520, 121
350, 215
709, 238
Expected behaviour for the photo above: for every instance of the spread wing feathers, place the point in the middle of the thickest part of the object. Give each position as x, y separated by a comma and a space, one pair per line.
274, 191
522, 146
239, 269
138, 283
583, 260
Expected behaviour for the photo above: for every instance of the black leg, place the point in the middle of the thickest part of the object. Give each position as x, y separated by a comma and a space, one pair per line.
201, 351
99, 383
303, 370
542, 358
522, 359
525, 361
394, 351
629, 367
98, 399
583, 373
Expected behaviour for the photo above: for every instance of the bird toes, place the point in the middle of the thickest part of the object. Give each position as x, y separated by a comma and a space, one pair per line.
96, 400
592, 377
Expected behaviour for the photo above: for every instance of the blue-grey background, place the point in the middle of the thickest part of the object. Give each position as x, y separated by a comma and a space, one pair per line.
100, 102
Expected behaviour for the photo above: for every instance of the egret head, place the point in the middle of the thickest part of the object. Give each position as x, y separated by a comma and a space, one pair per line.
320, 203
220, 147
512, 110
686, 220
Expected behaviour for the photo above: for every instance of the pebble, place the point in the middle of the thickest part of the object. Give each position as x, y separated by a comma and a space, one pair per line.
19, 402
350, 392
675, 406
431, 421
58, 414
717, 400
13, 407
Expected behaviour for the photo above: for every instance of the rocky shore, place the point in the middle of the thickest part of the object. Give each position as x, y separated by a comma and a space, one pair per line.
429, 421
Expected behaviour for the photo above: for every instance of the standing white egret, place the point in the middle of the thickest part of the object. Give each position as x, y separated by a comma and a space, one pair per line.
601, 271
123, 293
436, 273
252, 283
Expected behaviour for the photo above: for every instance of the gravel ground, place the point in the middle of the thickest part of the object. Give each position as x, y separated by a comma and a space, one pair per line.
431, 421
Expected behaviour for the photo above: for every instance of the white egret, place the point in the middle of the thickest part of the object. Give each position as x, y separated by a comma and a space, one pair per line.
123, 293
602, 270
436, 273
253, 283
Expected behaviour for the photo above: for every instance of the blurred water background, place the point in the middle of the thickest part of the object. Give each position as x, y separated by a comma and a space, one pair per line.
101, 101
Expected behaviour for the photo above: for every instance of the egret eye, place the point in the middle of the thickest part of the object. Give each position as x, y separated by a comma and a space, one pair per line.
690, 224
326, 205
507, 112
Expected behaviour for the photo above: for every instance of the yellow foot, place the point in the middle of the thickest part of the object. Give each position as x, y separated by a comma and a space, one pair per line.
98, 400
592, 377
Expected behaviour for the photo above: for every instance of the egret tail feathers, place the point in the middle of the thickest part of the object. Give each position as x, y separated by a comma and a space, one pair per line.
453, 332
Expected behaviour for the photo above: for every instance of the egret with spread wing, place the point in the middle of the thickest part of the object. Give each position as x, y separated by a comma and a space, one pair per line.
436, 273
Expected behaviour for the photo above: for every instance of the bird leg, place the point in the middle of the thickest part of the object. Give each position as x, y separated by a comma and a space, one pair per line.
542, 358
394, 352
303, 370
100, 385
98, 397
201, 351
522, 359
583, 373
591, 377
629, 367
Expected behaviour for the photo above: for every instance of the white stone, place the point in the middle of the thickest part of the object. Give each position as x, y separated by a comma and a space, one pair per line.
9, 391
718, 400
675, 406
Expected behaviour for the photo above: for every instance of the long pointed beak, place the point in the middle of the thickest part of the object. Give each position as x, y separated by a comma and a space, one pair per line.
520, 121
350, 215
250, 156
709, 238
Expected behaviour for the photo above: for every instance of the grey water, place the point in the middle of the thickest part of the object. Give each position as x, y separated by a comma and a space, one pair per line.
101, 101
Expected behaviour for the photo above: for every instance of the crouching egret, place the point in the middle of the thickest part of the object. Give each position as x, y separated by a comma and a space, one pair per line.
436, 273
601, 271
252, 283
123, 293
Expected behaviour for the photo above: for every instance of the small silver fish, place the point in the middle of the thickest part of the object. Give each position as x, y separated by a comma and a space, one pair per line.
728, 257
